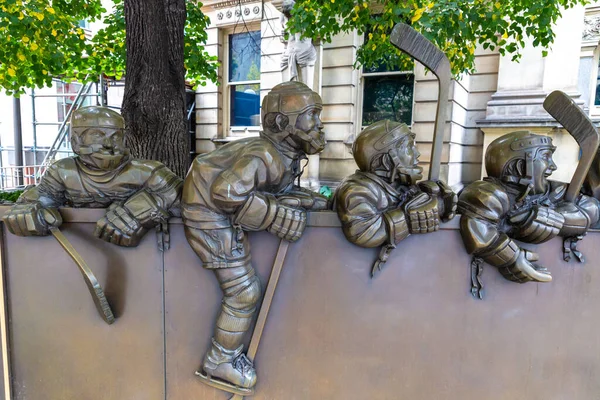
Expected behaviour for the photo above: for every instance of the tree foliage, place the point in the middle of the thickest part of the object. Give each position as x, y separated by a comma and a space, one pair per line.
42, 39
456, 27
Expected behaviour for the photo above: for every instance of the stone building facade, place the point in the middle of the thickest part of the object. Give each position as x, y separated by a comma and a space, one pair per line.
499, 97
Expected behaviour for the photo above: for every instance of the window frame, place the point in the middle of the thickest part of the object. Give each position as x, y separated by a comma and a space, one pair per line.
362, 80
361, 88
230, 131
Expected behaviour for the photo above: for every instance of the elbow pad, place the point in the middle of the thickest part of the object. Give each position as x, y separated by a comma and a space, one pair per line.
396, 225
263, 212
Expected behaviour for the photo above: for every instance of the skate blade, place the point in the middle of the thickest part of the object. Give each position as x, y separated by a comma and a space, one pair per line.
222, 385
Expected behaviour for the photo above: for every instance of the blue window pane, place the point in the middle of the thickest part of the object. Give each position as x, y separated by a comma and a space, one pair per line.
245, 105
388, 97
244, 56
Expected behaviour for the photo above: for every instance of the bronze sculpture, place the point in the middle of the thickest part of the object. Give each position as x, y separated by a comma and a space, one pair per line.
518, 202
381, 204
406, 39
248, 185
582, 129
139, 194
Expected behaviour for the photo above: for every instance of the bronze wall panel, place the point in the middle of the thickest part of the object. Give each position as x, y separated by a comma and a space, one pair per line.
414, 332
60, 347
192, 297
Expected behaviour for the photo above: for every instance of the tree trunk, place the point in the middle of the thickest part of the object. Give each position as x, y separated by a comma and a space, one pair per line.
154, 99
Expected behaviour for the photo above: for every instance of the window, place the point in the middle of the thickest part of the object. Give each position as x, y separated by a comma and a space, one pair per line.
243, 80
387, 94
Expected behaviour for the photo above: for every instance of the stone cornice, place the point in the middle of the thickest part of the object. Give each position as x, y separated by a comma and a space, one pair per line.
226, 4
591, 28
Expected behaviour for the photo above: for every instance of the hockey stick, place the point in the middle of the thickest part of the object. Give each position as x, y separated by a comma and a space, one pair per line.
418, 47
560, 106
266, 304
580, 127
88, 276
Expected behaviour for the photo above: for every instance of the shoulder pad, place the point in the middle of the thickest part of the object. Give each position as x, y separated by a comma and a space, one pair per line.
484, 199
67, 163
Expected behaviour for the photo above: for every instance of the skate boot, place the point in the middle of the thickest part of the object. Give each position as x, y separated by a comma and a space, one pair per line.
228, 370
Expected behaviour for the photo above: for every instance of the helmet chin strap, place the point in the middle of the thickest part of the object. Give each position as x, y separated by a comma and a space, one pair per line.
302, 136
526, 180
397, 168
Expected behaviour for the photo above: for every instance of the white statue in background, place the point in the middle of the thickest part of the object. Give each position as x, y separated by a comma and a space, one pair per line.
299, 57
298, 64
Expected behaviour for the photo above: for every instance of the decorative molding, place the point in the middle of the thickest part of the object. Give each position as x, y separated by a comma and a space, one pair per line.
232, 3
228, 12
591, 28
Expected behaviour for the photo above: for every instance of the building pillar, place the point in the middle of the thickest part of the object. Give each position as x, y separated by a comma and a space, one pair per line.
522, 88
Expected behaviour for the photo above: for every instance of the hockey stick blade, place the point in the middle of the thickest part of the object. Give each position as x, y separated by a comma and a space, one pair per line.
418, 47
560, 106
90, 279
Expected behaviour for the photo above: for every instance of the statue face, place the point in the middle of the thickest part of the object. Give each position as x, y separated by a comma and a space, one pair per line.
406, 161
310, 123
102, 148
543, 166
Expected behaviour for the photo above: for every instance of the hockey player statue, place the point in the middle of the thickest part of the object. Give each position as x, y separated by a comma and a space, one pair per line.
518, 202
139, 194
382, 203
248, 185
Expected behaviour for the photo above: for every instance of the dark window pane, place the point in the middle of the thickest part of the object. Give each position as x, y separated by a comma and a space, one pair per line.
245, 105
244, 56
388, 97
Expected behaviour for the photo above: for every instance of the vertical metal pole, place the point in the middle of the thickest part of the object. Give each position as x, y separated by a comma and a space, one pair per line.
102, 91
18, 140
34, 126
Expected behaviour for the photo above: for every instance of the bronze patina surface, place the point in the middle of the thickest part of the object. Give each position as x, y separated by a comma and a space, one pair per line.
382, 203
417, 46
581, 128
139, 194
518, 202
59, 348
413, 334
248, 185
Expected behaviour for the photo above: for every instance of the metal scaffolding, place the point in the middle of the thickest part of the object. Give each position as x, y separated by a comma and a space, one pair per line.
27, 170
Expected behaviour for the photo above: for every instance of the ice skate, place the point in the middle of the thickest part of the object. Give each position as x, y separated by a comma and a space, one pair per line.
228, 370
